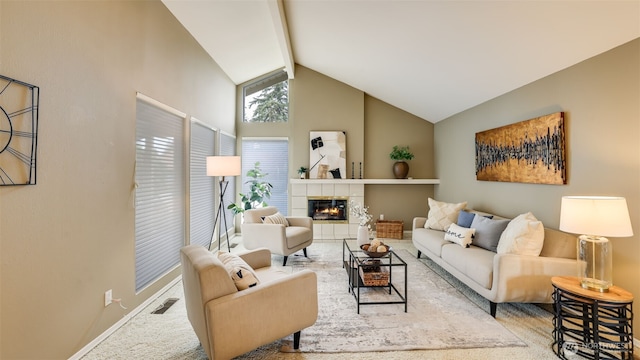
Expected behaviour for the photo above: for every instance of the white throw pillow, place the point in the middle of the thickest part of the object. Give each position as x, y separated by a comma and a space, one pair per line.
459, 235
524, 235
442, 214
276, 218
240, 272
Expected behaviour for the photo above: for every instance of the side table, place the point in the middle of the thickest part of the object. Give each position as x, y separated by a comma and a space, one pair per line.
591, 324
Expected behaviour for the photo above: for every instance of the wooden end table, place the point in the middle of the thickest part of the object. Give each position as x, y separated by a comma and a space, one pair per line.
591, 324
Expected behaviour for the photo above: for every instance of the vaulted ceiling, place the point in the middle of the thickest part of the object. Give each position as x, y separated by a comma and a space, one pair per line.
430, 58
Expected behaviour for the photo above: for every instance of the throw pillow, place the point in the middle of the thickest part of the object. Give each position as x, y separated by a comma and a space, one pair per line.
442, 214
459, 235
240, 272
465, 218
524, 235
488, 232
276, 218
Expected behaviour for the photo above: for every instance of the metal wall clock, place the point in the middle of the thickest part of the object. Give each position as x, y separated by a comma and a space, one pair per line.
18, 131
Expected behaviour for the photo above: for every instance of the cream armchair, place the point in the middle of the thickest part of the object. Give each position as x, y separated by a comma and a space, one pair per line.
229, 322
280, 239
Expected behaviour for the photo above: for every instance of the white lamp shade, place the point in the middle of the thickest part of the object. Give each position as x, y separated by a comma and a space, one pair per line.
224, 166
595, 215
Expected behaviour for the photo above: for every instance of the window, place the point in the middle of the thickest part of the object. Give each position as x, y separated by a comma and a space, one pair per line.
273, 155
267, 99
159, 195
202, 196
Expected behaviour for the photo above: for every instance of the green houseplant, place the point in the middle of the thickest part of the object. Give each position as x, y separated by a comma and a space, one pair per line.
400, 154
259, 190
303, 171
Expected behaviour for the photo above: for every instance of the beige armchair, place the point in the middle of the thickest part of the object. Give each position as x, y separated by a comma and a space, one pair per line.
280, 239
229, 322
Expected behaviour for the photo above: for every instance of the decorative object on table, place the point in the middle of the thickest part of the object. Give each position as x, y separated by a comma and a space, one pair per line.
400, 154
19, 103
392, 229
328, 154
362, 213
222, 166
531, 151
595, 216
360, 169
303, 172
376, 248
352, 169
259, 191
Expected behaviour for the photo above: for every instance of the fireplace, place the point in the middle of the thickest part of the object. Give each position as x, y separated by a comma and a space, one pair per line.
328, 209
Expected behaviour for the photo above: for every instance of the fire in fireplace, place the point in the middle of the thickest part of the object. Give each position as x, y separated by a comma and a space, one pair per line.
328, 208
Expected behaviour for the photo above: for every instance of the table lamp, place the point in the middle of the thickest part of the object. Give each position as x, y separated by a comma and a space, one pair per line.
595, 216
222, 166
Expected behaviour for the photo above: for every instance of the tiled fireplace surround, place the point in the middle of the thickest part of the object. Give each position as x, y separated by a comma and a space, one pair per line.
300, 192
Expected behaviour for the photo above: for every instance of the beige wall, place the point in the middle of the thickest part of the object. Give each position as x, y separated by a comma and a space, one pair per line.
601, 101
66, 240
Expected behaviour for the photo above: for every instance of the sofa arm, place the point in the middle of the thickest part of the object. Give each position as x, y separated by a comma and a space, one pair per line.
255, 235
418, 222
521, 278
262, 314
257, 258
303, 221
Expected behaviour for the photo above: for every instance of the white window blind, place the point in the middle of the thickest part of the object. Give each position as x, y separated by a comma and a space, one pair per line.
202, 196
160, 200
228, 148
273, 155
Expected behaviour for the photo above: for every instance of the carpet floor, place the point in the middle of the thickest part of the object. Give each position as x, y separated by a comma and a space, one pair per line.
520, 331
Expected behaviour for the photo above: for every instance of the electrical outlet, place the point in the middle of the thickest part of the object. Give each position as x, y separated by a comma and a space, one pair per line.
108, 298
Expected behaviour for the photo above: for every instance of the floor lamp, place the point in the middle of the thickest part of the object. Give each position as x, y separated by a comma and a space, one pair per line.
222, 166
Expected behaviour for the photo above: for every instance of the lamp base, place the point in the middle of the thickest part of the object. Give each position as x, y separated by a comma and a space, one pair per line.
595, 285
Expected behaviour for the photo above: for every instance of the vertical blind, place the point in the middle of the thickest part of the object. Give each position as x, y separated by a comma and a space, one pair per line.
228, 148
202, 197
160, 199
273, 155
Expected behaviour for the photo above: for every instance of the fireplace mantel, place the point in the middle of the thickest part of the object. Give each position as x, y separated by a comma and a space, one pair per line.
368, 181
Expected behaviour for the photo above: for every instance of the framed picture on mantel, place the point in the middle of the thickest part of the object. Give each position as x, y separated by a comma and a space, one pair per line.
327, 155
531, 151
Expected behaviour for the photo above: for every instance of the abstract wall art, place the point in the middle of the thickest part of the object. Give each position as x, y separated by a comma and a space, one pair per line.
531, 151
327, 155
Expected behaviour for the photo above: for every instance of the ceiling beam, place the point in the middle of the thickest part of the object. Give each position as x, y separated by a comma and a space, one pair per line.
276, 8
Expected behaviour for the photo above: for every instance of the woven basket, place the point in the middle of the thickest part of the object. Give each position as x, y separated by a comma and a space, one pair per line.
373, 274
391, 229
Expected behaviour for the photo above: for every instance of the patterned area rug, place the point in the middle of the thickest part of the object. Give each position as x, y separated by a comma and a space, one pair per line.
438, 316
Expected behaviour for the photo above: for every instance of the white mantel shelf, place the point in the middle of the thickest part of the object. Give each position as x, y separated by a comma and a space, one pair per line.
367, 181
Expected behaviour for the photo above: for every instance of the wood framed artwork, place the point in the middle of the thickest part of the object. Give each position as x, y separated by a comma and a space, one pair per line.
531, 151
327, 154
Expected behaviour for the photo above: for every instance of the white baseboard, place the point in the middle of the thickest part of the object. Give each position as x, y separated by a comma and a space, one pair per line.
82, 352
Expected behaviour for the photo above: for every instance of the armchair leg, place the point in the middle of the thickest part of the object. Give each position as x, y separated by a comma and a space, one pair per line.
284, 263
304, 251
296, 340
419, 253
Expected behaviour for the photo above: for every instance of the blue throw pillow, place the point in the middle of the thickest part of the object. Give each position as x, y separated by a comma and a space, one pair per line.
488, 232
465, 218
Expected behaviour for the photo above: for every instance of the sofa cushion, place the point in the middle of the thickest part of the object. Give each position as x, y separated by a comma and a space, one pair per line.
240, 272
459, 235
474, 262
488, 232
276, 218
465, 218
524, 235
442, 214
297, 235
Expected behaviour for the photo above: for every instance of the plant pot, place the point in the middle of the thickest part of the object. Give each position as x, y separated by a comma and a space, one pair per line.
400, 169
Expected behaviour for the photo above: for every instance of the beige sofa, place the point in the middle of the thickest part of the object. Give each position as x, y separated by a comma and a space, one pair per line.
497, 277
230, 322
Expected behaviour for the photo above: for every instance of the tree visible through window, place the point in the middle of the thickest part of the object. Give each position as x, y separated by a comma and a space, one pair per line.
267, 100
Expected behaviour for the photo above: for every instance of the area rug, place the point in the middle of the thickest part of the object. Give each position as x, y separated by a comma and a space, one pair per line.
438, 316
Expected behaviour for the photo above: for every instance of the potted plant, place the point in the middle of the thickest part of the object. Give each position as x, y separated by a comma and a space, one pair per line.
400, 154
304, 172
259, 190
